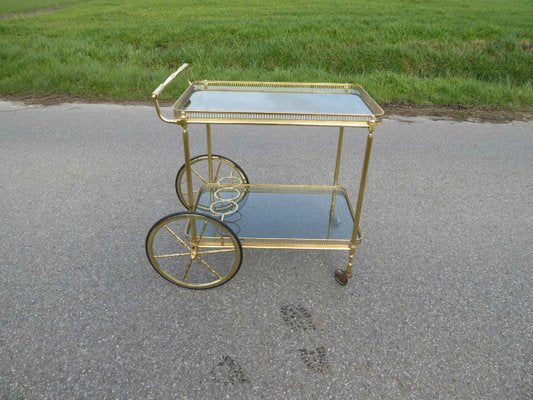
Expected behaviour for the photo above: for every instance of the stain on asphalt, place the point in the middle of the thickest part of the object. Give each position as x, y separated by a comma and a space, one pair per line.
315, 360
228, 372
298, 318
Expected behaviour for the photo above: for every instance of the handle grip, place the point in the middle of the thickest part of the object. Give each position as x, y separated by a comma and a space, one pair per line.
156, 93
160, 88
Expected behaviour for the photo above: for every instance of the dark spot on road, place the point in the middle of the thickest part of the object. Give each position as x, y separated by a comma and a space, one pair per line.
228, 372
297, 317
315, 360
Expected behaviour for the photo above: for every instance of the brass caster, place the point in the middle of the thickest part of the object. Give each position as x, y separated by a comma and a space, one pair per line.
341, 277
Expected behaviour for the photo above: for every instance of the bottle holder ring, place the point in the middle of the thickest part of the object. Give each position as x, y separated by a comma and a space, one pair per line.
220, 196
230, 181
223, 205
226, 196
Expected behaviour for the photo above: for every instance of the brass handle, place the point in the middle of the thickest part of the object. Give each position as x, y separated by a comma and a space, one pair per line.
156, 93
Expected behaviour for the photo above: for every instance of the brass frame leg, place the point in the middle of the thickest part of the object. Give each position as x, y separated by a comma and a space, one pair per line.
209, 152
335, 180
342, 276
187, 156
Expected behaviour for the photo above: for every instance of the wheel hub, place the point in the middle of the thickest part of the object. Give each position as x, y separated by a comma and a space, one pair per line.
194, 252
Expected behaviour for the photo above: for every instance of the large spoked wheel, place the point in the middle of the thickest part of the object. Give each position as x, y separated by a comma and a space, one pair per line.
193, 250
222, 168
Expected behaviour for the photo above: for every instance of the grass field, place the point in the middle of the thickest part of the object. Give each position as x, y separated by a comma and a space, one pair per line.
468, 54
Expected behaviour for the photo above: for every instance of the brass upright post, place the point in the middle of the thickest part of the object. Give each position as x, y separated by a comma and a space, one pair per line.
209, 152
360, 196
335, 179
210, 163
187, 155
338, 161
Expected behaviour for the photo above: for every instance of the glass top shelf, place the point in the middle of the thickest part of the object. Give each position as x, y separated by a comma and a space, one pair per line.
277, 102
282, 212
283, 103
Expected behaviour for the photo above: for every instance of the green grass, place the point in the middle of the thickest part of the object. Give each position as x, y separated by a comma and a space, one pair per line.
474, 54
20, 6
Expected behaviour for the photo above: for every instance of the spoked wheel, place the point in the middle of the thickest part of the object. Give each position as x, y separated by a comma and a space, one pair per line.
193, 250
222, 168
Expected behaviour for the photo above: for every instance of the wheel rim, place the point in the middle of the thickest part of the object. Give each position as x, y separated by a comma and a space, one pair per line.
203, 259
222, 168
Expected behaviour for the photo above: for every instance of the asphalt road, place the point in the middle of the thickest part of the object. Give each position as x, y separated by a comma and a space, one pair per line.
439, 305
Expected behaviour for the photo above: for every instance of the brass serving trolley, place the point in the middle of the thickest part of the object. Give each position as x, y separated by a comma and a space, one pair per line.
202, 247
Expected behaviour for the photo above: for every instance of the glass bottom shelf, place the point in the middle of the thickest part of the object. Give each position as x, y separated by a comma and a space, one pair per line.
282, 216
